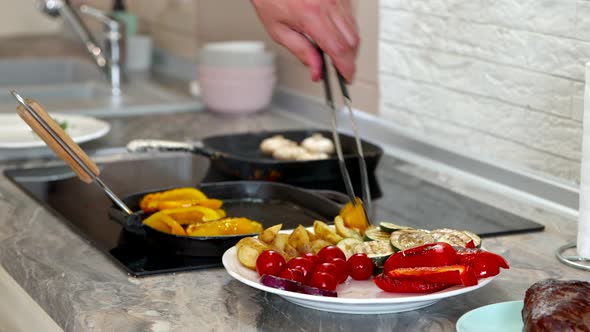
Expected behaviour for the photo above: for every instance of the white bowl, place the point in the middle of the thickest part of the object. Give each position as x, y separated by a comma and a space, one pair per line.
235, 73
236, 59
237, 97
240, 46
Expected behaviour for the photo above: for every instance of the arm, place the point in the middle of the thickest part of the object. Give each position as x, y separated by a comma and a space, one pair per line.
330, 23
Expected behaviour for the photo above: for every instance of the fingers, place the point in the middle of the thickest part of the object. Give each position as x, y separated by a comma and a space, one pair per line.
336, 35
301, 47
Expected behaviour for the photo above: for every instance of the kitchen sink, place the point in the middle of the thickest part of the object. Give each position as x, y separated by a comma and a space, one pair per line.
72, 85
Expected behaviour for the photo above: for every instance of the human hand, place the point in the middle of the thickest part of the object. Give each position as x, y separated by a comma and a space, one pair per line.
330, 23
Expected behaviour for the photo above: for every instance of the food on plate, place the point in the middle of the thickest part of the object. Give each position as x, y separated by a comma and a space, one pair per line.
294, 286
360, 267
320, 273
354, 216
557, 305
435, 266
317, 143
484, 263
270, 145
409, 238
189, 212
315, 147
407, 285
248, 250
329, 255
433, 254
270, 262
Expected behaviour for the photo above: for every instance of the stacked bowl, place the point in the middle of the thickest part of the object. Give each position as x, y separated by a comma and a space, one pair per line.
236, 76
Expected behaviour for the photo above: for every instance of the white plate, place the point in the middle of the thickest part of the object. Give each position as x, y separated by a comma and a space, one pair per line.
16, 134
354, 297
503, 316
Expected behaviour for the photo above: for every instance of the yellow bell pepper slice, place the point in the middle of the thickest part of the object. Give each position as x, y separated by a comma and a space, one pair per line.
178, 194
354, 216
221, 213
193, 214
164, 205
227, 226
164, 223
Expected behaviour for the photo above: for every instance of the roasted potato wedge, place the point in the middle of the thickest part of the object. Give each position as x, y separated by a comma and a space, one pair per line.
280, 241
311, 235
325, 232
318, 244
299, 239
344, 231
290, 252
268, 235
248, 250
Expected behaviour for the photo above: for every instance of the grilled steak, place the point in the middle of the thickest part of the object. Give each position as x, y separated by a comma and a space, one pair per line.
556, 305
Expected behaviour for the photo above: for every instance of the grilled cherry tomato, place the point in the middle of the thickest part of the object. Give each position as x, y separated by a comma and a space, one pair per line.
331, 251
293, 274
323, 280
484, 263
315, 259
270, 262
400, 285
360, 266
341, 265
303, 264
328, 268
431, 254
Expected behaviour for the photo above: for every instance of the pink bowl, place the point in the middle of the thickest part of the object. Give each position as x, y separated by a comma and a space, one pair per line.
227, 73
235, 97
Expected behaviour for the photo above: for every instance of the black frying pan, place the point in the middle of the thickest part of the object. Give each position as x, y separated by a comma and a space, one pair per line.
266, 202
239, 156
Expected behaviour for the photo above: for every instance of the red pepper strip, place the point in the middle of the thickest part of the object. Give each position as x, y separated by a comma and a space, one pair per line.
432, 254
399, 285
470, 244
484, 263
451, 274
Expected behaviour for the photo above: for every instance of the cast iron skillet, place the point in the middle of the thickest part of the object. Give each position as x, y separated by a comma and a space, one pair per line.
266, 202
239, 156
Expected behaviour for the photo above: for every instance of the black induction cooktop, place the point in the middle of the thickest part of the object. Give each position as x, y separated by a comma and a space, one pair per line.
84, 207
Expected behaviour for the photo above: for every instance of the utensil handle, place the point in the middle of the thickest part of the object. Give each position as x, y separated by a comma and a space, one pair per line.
154, 145
54, 145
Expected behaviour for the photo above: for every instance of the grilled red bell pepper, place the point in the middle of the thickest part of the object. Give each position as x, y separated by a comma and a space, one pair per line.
400, 285
484, 263
450, 274
432, 254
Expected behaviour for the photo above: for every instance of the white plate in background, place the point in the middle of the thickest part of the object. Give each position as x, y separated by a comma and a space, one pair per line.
16, 134
354, 297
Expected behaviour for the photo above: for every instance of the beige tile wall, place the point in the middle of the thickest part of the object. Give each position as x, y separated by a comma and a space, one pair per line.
181, 26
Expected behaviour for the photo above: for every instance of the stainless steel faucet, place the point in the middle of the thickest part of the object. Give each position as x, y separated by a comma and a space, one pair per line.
110, 57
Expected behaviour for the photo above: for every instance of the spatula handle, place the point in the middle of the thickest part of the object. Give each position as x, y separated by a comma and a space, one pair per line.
47, 137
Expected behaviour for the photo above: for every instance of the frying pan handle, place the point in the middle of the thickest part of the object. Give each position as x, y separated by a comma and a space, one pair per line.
152, 145
332, 195
131, 223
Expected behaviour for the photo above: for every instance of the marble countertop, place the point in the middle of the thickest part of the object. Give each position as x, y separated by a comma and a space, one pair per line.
83, 290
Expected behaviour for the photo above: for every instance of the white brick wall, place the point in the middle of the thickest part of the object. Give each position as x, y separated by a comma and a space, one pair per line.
500, 79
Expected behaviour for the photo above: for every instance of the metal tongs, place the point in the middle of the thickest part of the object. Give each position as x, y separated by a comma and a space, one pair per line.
63, 145
366, 199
